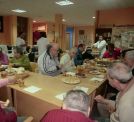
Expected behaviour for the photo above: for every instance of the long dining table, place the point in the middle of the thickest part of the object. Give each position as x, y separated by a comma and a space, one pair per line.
38, 103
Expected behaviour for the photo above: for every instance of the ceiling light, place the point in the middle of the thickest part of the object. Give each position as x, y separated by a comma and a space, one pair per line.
93, 17
18, 10
34, 21
64, 2
63, 20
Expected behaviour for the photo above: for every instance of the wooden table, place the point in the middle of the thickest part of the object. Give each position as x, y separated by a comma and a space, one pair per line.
39, 103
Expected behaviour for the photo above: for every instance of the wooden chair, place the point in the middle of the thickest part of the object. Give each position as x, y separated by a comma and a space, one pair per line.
29, 119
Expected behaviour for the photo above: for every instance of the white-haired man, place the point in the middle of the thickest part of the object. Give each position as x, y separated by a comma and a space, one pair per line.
76, 108
67, 60
48, 61
121, 78
129, 59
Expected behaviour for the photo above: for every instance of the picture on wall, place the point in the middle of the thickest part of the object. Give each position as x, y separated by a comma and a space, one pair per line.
1, 24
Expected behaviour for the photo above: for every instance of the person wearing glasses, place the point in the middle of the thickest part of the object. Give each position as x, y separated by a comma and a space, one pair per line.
121, 110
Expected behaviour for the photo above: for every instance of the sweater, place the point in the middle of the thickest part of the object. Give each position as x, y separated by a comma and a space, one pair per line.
60, 115
7, 116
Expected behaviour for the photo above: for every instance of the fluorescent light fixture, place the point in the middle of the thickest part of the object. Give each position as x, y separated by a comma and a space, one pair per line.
18, 10
93, 17
64, 2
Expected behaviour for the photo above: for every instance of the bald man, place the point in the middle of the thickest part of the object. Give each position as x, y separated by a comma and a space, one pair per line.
48, 62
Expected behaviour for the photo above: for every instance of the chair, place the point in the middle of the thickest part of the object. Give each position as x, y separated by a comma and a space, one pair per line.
34, 66
29, 119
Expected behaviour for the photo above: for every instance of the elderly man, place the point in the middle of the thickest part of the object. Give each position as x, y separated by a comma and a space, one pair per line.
75, 109
48, 61
121, 78
129, 59
67, 60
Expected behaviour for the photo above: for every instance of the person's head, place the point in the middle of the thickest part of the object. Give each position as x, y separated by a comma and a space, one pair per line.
53, 49
129, 58
18, 52
81, 47
43, 34
110, 47
100, 37
22, 35
119, 75
72, 52
77, 100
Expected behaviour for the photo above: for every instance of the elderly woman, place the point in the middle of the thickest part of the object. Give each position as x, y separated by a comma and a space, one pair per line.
67, 60
20, 60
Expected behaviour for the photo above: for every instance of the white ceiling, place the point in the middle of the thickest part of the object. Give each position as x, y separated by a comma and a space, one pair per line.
80, 13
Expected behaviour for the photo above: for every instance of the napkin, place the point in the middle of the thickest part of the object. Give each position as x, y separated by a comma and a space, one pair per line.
82, 88
97, 79
32, 89
61, 96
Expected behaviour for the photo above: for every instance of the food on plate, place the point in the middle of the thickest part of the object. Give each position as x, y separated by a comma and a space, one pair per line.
71, 80
69, 74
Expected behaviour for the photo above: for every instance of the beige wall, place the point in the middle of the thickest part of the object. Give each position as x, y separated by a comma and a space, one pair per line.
10, 31
89, 32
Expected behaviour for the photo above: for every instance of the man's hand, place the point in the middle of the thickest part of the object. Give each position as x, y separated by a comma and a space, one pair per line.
110, 108
4, 104
100, 99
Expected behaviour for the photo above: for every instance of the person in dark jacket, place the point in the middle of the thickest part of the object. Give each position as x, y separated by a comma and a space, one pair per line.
75, 109
78, 60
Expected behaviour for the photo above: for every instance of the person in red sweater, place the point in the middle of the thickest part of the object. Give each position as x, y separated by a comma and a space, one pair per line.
4, 115
111, 52
76, 108
8, 114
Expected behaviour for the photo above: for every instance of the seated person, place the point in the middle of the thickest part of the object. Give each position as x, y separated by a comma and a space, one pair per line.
31, 55
48, 61
78, 60
87, 54
3, 58
67, 60
20, 60
121, 78
129, 60
110, 52
6, 114
123, 53
76, 108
